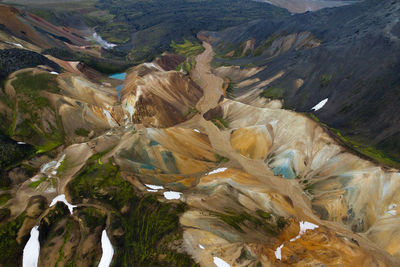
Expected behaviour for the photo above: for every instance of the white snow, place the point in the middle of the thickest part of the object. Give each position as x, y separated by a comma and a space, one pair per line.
102, 42
196, 130
320, 104
304, 226
200, 246
110, 119
391, 212
391, 209
152, 190
172, 195
54, 72
16, 44
21, 143
44, 168
32, 249
278, 252
154, 187
54, 165
62, 199
217, 171
220, 262
108, 250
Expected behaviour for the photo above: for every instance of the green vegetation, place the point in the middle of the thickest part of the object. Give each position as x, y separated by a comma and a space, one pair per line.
264, 46
274, 93
146, 223
11, 154
92, 217
191, 111
67, 237
31, 103
325, 79
361, 144
82, 132
37, 183
10, 249
188, 48
31, 86
155, 24
263, 214
4, 198
221, 159
237, 220
220, 122
230, 88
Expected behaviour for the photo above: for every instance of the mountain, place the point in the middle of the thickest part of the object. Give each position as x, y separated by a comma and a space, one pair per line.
301, 6
345, 54
207, 155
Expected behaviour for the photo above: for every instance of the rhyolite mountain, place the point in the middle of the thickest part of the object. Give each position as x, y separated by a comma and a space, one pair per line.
208, 155
353, 61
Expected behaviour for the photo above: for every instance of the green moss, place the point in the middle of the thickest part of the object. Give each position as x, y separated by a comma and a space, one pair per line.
145, 222
92, 217
48, 146
82, 132
31, 85
263, 214
37, 183
187, 48
264, 46
274, 93
10, 249
4, 198
230, 88
237, 220
325, 79
67, 237
221, 159
220, 122
190, 111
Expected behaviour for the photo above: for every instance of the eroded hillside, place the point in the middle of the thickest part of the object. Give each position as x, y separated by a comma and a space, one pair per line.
239, 181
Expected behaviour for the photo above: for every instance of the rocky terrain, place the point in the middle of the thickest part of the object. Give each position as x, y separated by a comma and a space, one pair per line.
346, 54
193, 162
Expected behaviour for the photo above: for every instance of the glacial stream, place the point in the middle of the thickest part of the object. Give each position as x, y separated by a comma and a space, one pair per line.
119, 76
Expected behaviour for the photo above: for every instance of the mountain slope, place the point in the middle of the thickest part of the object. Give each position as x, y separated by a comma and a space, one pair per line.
352, 61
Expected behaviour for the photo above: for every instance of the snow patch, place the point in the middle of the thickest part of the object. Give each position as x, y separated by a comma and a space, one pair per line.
304, 226
102, 42
152, 190
278, 252
217, 171
110, 119
21, 143
172, 195
54, 73
154, 187
200, 246
15, 44
220, 262
32, 249
52, 166
63, 199
196, 130
108, 250
320, 104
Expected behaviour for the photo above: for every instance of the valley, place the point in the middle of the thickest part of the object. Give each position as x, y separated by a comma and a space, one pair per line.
216, 148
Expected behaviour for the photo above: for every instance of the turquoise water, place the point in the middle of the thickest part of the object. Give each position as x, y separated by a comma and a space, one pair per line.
119, 76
